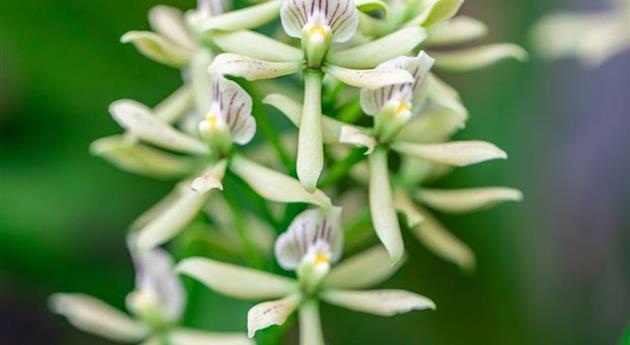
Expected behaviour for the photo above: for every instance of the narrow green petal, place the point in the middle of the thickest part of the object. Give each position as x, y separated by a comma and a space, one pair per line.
435, 12
139, 120
382, 206
276, 186
158, 48
95, 316
246, 18
456, 153
478, 57
434, 125
379, 302
468, 199
178, 212
236, 281
270, 313
250, 68
442, 243
385, 48
367, 6
183, 336
135, 157
175, 105
405, 206
369, 78
458, 30
310, 154
258, 46
363, 270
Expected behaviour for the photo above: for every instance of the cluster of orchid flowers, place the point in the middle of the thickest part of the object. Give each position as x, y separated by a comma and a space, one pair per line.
198, 132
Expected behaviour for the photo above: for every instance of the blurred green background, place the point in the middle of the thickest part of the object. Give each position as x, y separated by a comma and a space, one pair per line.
554, 269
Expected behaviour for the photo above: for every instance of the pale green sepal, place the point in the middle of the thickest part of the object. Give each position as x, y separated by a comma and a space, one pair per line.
367, 6
200, 79
369, 78
478, 57
384, 216
310, 153
456, 153
405, 206
169, 22
458, 30
379, 302
179, 212
354, 136
442, 243
135, 157
210, 179
257, 46
246, 18
184, 336
385, 48
236, 281
250, 68
175, 105
158, 48
434, 125
445, 96
139, 121
363, 270
435, 12
331, 128
310, 324
271, 313
276, 186
95, 316
469, 199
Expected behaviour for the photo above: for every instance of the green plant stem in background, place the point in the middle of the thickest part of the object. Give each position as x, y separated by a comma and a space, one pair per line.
268, 131
342, 167
350, 113
252, 254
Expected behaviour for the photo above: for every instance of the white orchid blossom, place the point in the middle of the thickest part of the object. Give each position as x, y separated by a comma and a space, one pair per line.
157, 303
228, 121
311, 245
318, 24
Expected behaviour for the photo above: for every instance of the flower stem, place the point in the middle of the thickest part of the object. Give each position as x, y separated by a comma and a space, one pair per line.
310, 324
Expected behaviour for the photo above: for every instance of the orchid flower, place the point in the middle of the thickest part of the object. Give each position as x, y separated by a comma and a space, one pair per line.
393, 108
311, 246
593, 38
318, 24
157, 304
444, 30
228, 121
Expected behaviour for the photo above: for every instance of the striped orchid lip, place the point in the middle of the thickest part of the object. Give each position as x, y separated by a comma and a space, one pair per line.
231, 106
408, 97
314, 237
338, 18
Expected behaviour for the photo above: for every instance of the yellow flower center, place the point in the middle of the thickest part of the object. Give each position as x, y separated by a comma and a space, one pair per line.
212, 120
321, 259
317, 30
402, 106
